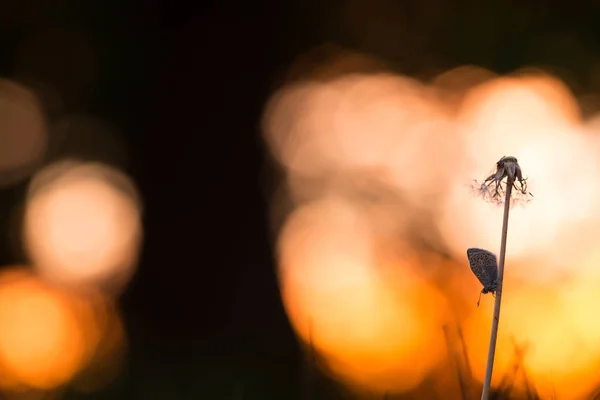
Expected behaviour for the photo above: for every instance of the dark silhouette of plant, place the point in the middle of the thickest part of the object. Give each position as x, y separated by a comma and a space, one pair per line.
498, 188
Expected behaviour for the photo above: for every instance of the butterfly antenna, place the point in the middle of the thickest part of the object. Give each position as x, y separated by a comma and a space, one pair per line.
479, 300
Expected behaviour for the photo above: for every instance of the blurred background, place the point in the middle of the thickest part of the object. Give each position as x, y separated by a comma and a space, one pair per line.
273, 200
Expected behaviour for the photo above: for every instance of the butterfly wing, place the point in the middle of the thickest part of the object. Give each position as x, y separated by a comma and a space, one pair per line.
484, 265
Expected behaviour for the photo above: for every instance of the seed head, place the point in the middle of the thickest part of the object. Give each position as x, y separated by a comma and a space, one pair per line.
507, 172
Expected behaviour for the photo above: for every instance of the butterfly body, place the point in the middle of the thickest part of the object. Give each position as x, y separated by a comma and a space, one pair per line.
490, 289
484, 266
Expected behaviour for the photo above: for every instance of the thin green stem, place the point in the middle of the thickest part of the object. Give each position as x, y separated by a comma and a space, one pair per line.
485, 393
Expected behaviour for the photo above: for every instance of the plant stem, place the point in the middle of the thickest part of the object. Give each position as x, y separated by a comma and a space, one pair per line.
452, 353
494, 334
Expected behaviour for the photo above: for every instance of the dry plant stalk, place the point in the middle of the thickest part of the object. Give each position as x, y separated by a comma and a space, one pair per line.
455, 358
495, 188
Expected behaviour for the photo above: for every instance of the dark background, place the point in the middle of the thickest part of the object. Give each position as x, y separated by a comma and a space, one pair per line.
186, 83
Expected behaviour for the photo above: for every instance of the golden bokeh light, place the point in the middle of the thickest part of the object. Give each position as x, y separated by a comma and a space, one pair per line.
109, 356
361, 121
453, 86
47, 336
552, 324
82, 224
535, 120
344, 247
550, 240
363, 319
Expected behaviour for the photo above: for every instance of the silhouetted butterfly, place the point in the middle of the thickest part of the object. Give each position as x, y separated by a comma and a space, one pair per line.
485, 267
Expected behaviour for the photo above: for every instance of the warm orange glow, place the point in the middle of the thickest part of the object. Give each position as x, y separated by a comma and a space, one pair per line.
533, 119
554, 323
82, 224
550, 240
452, 86
381, 122
364, 320
46, 336
108, 360
379, 162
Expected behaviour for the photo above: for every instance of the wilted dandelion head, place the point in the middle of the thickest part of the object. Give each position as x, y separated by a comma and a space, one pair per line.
507, 173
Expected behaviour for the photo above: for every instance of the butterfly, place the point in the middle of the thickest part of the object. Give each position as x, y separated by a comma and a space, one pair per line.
485, 267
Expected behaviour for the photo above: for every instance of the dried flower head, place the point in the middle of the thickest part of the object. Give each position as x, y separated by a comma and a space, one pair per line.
507, 172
